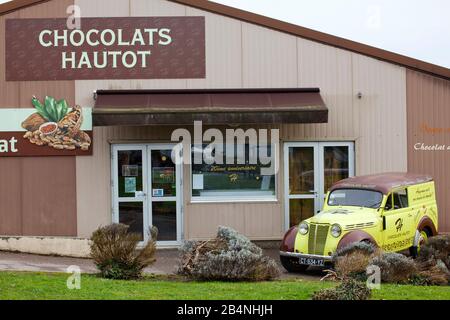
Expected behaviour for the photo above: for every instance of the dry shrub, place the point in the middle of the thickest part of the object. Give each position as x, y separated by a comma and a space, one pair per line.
364, 247
352, 265
430, 268
395, 267
230, 257
433, 262
352, 260
432, 276
437, 248
349, 289
114, 251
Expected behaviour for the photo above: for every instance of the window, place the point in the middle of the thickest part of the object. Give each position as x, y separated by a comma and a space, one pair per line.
388, 205
397, 200
355, 198
238, 175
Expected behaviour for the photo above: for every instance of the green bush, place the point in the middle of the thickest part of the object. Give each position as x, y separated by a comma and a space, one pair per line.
349, 289
115, 253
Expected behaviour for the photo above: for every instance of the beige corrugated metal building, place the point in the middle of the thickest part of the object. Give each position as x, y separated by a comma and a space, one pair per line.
377, 101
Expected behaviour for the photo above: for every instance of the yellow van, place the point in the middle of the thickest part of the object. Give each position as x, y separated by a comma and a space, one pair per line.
393, 211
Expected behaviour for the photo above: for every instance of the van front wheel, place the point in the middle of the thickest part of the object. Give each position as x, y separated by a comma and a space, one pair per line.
292, 264
423, 238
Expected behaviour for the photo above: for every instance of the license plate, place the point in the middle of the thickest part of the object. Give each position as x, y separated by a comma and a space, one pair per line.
312, 262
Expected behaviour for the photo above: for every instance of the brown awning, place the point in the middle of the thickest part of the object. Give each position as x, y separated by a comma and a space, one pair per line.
218, 106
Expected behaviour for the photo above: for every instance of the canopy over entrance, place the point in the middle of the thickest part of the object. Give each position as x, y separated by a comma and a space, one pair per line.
217, 106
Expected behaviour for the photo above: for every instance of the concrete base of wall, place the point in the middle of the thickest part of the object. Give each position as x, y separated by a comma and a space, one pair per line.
71, 247
268, 244
59, 246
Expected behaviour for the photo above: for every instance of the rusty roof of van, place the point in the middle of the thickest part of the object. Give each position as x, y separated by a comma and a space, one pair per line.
282, 26
383, 182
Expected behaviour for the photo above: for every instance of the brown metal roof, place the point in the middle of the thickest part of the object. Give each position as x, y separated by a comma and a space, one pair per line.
17, 4
290, 28
213, 106
383, 182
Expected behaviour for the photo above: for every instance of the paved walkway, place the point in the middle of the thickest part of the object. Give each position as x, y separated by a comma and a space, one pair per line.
166, 262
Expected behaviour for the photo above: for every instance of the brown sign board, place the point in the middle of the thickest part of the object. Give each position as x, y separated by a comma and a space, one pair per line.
14, 144
105, 48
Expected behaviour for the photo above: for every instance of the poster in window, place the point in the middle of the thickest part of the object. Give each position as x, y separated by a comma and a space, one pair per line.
130, 184
130, 170
158, 192
265, 184
197, 181
163, 175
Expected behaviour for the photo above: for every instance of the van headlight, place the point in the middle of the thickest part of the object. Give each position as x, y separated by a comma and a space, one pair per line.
303, 228
336, 230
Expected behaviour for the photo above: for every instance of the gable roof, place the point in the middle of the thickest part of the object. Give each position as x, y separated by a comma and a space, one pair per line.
289, 28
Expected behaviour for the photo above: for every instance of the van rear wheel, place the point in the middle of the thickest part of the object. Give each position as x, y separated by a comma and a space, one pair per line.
292, 264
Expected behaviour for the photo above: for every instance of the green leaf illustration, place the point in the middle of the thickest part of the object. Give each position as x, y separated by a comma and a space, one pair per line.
52, 110
59, 110
40, 108
64, 109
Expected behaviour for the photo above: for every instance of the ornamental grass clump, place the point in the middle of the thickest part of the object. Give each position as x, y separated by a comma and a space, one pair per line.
228, 257
433, 262
349, 289
395, 267
437, 248
363, 247
352, 260
115, 253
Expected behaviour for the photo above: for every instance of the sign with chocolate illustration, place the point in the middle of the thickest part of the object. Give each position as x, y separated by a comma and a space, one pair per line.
51, 128
105, 48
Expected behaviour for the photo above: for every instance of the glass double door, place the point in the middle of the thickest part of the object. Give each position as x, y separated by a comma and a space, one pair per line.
310, 170
147, 190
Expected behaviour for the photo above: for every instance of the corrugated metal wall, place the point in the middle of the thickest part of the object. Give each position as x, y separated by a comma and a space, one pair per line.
37, 195
429, 123
243, 55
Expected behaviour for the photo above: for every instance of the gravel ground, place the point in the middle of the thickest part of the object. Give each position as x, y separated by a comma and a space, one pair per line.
166, 261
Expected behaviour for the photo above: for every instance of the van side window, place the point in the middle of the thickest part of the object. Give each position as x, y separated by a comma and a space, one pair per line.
388, 205
400, 199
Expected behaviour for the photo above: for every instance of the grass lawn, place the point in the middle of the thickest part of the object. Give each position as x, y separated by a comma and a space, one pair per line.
26, 285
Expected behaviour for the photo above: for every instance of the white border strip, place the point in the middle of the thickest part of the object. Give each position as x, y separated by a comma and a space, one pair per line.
12, 118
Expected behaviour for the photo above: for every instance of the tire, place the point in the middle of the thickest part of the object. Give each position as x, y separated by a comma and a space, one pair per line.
424, 235
292, 265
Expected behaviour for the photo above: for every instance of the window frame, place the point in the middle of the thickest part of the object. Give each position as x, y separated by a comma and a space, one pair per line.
230, 199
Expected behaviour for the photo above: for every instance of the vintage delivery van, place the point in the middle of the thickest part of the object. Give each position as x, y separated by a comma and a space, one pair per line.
393, 211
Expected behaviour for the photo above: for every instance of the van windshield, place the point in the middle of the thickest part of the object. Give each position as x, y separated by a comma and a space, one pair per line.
355, 198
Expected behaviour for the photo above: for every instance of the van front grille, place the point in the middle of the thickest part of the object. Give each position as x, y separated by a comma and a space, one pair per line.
318, 234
